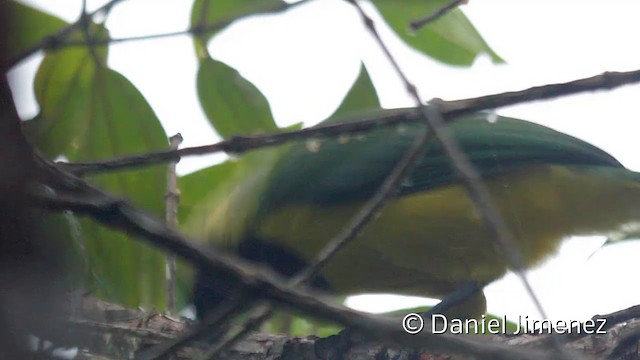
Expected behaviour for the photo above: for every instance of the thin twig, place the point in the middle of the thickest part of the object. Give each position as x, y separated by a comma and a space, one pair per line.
260, 314
85, 24
212, 324
119, 214
420, 23
475, 188
83, 11
172, 198
55, 41
91, 332
198, 29
230, 307
370, 210
450, 111
349, 232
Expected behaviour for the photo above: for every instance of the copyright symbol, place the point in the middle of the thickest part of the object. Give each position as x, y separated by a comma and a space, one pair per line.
412, 323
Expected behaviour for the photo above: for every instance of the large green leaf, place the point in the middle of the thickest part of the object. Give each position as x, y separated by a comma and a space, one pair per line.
61, 89
451, 39
233, 105
205, 13
90, 112
204, 190
28, 27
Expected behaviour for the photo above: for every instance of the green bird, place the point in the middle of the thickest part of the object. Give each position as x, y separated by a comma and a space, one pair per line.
429, 240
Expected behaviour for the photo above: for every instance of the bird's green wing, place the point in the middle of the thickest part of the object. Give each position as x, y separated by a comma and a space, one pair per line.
350, 168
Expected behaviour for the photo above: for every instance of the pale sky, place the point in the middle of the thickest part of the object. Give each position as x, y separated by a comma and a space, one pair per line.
304, 62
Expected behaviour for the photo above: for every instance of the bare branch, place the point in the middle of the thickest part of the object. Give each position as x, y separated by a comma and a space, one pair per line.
450, 110
476, 190
365, 215
370, 210
121, 215
172, 198
106, 336
260, 314
230, 307
350, 231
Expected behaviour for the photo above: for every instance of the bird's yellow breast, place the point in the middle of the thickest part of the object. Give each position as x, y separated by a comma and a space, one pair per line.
428, 243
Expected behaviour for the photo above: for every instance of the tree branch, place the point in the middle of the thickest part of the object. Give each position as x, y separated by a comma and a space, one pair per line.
450, 110
172, 198
119, 214
471, 180
111, 336
349, 232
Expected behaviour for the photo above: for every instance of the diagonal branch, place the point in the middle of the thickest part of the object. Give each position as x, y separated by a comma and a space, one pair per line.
471, 180
350, 231
119, 214
370, 210
364, 216
469, 176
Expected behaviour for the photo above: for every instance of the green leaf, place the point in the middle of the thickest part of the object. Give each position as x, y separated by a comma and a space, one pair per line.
361, 97
451, 39
198, 185
60, 86
233, 105
207, 12
89, 112
28, 27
